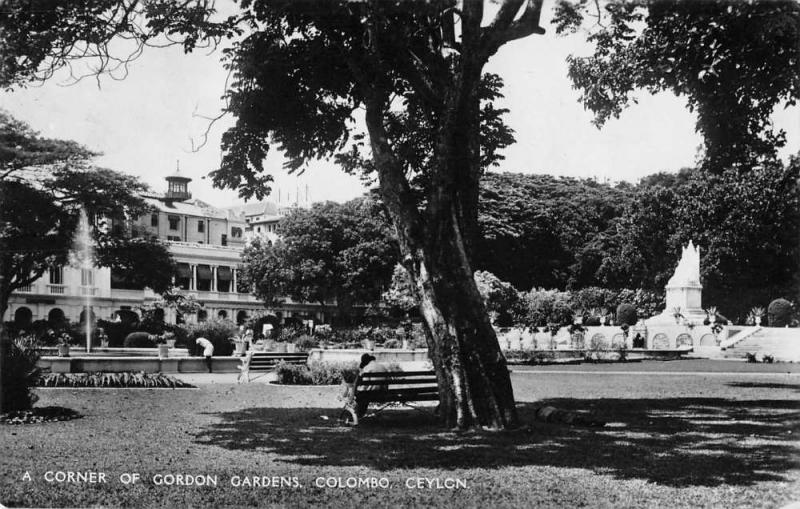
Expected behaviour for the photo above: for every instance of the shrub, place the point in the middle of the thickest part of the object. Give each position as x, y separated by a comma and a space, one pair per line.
318, 373
306, 342
626, 314
594, 297
592, 321
292, 374
139, 340
218, 332
392, 343
290, 334
547, 306
330, 373
19, 373
779, 313
116, 331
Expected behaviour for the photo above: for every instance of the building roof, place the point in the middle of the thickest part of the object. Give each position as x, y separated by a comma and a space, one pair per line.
255, 209
196, 208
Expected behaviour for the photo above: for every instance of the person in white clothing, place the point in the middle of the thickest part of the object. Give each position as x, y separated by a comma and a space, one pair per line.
208, 350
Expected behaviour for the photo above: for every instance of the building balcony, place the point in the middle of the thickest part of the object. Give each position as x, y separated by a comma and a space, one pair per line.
25, 289
203, 296
57, 289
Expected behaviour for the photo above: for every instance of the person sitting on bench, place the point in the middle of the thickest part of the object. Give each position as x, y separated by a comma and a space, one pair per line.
369, 365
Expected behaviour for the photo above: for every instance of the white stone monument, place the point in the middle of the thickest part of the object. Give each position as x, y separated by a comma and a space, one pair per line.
684, 291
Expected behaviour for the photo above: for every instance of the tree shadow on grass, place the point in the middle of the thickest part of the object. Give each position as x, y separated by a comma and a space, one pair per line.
673, 442
764, 385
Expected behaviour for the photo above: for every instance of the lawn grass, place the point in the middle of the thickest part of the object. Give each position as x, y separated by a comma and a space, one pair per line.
672, 440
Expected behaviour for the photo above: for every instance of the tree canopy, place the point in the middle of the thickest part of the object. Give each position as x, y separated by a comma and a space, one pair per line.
734, 61
342, 253
44, 184
533, 226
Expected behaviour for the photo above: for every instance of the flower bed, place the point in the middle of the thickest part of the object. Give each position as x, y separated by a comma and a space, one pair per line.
125, 379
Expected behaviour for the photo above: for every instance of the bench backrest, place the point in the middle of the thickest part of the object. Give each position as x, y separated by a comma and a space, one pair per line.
268, 360
397, 386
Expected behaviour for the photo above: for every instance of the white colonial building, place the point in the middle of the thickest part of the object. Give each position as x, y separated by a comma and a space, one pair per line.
207, 244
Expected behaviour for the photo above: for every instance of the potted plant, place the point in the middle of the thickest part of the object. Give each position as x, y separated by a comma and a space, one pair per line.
161, 343
754, 317
239, 345
64, 340
712, 315
169, 337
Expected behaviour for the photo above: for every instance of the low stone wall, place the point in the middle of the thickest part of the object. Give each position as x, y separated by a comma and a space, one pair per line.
611, 337
387, 355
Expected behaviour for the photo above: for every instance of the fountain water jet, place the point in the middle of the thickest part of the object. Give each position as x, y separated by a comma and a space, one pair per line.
82, 257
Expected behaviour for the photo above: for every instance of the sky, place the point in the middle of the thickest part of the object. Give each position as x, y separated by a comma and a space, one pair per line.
148, 123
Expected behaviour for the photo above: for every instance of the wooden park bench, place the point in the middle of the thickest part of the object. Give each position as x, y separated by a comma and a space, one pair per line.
267, 361
387, 389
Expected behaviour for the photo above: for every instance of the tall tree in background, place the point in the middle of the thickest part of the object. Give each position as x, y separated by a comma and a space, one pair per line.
733, 61
330, 252
43, 185
533, 227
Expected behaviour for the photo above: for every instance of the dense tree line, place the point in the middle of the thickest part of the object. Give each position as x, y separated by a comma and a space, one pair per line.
541, 231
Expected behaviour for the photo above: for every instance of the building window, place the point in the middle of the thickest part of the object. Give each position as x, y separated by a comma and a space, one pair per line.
174, 222
57, 275
183, 277
258, 229
236, 232
201, 226
87, 277
174, 238
224, 240
154, 220
203, 280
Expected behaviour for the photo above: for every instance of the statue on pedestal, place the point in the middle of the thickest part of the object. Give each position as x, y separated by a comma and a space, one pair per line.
684, 291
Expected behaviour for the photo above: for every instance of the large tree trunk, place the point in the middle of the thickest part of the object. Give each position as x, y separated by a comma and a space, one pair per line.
474, 382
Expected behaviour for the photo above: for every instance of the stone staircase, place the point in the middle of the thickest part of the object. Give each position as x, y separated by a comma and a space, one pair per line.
781, 343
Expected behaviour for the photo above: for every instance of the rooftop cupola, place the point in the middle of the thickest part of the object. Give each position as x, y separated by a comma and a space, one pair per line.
178, 186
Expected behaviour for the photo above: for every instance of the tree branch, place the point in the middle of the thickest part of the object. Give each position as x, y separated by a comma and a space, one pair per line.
503, 29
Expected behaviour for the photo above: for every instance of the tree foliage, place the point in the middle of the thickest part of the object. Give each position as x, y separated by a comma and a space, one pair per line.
734, 62
746, 224
534, 226
330, 252
44, 184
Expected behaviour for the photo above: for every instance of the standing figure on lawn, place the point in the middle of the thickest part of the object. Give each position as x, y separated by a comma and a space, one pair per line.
208, 350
